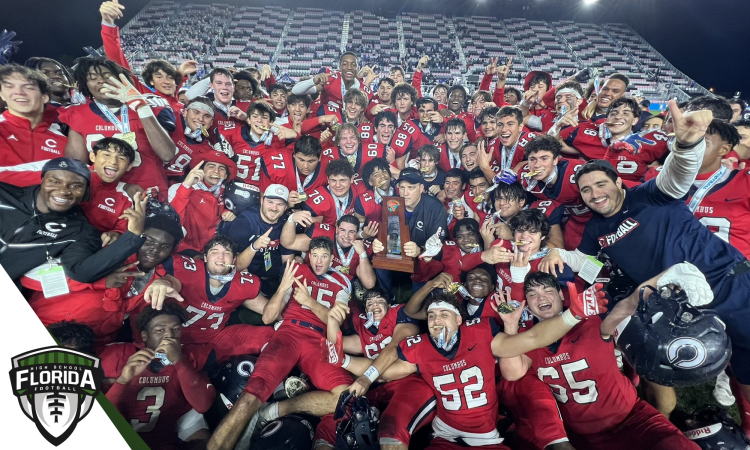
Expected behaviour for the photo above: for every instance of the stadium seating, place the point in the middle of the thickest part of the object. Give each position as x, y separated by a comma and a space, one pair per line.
299, 42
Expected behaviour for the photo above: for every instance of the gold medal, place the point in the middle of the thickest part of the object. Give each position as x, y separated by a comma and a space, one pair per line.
531, 174
472, 245
128, 137
479, 198
302, 196
521, 242
504, 308
344, 269
453, 288
204, 131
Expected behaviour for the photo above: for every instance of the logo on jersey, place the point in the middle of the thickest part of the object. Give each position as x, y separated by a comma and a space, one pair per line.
625, 227
56, 388
686, 353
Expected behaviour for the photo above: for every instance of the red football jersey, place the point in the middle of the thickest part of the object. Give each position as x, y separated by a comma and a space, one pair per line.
333, 286
148, 169
374, 343
457, 262
340, 256
248, 153
448, 160
106, 204
365, 153
564, 191
463, 382
582, 372
322, 202
187, 149
725, 210
367, 206
20, 145
153, 402
278, 167
333, 91
516, 154
223, 122
209, 312
410, 137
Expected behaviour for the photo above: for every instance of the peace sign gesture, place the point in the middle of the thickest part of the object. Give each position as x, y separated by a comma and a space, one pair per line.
136, 215
492, 67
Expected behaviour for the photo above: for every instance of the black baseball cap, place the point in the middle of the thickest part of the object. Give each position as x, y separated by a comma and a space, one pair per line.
411, 176
70, 165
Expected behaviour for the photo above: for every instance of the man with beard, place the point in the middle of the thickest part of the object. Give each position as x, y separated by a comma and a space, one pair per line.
315, 288
406, 404
44, 232
256, 232
212, 289
191, 135
116, 109
630, 153
159, 368
329, 203
350, 255
27, 142
333, 87
199, 200
103, 304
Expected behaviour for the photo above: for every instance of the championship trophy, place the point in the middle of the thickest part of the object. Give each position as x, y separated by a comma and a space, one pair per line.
394, 232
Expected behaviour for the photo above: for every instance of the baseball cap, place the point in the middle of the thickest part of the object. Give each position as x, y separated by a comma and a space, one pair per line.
411, 176
277, 191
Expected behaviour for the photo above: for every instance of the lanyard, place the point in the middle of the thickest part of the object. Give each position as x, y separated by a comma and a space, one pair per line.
122, 124
308, 179
453, 159
223, 108
532, 182
196, 135
266, 137
507, 161
345, 260
703, 191
341, 210
378, 197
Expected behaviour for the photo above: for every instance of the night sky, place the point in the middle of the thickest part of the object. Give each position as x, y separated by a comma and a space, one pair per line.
706, 39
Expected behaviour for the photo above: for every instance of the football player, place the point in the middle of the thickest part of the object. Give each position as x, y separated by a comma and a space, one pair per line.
351, 255
191, 135
60, 80
301, 171
277, 94
376, 175
159, 388
549, 177
381, 101
315, 288
467, 398
615, 87
333, 87
198, 200
434, 177
568, 98
328, 204
26, 140
599, 406
355, 150
498, 95
116, 109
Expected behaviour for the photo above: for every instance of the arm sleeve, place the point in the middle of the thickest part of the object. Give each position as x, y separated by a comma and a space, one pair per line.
416, 82
85, 261
270, 81
484, 85
306, 87
498, 97
535, 122
112, 45
680, 169
574, 259
199, 88
115, 395
196, 387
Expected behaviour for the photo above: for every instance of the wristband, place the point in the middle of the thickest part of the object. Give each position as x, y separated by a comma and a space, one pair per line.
347, 361
252, 246
569, 319
289, 219
144, 111
372, 374
363, 255
688, 146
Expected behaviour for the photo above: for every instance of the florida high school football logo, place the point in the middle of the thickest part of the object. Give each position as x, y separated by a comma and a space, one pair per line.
56, 388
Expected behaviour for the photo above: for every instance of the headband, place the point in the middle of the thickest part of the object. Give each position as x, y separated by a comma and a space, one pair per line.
443, 305
200, 106
569, 91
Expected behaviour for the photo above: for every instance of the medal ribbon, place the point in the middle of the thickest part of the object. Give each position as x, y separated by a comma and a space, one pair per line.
122, 124
701, 193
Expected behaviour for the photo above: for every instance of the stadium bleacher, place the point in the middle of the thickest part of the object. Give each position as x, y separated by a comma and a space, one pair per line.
298, 42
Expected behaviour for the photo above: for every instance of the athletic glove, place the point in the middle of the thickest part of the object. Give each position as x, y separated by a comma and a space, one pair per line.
590, 302
691, 280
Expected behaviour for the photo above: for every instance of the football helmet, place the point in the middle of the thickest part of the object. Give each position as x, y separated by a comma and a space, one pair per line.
712, 429
358, 427
240, 196
672, 343
231, 377
292, 432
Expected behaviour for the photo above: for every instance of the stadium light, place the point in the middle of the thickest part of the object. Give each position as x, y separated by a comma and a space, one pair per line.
589, 2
